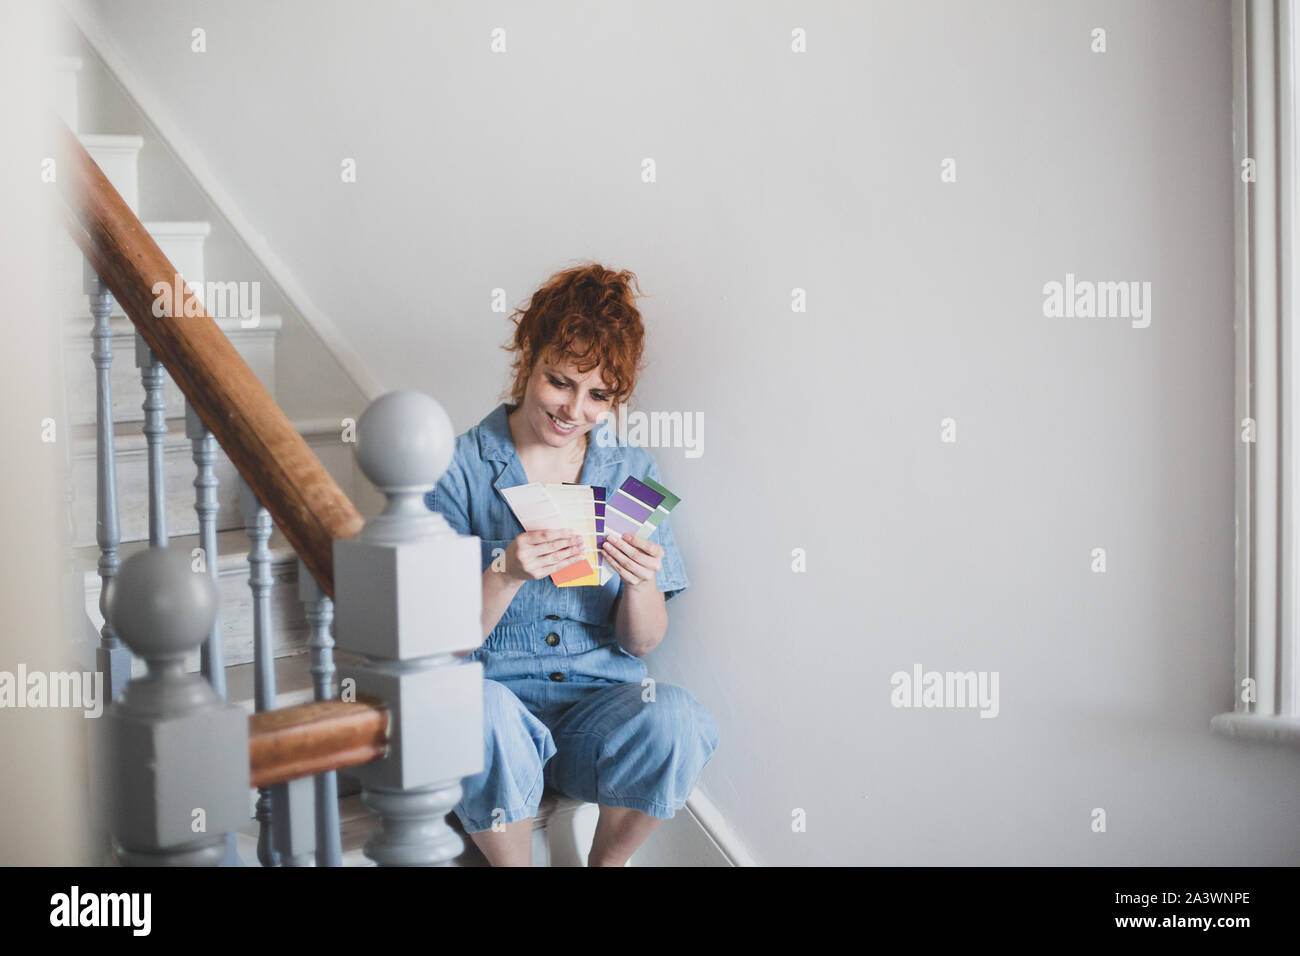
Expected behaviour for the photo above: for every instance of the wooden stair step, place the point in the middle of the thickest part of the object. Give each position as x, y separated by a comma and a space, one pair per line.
552, 832
290, 630
293, 683
130, 448
255, 344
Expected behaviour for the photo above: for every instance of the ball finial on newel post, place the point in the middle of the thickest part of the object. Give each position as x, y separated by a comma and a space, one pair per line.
405, 441
177, 770
161, 608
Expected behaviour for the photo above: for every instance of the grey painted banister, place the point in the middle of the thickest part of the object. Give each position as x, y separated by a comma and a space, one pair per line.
257, 522
294, 831
408, 594
153, 377
212, 661
111, 657
178, 755
212, 658
320, 614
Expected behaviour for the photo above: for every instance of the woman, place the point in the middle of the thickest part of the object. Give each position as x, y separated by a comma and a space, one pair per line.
564, 701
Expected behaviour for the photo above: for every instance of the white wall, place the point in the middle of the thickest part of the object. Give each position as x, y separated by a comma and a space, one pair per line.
821, 171
44, 811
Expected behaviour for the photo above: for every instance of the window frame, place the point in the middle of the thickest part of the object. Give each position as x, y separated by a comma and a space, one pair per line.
1267, 462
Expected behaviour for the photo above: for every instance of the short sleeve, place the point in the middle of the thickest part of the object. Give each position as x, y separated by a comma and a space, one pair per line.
450, 496
671, 578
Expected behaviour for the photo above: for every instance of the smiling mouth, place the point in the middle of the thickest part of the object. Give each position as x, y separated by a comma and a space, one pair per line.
562, 426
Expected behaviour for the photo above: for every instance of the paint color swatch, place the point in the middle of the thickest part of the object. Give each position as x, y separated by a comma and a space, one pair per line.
577, 505
538, 511
637, 508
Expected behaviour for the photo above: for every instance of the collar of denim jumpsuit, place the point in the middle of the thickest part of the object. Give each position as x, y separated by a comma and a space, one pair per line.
496, 444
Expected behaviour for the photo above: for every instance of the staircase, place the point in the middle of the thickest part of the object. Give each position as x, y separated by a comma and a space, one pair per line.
563, 828
183, 242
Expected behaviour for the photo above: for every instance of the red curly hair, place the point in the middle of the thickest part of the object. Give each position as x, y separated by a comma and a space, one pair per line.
590, 304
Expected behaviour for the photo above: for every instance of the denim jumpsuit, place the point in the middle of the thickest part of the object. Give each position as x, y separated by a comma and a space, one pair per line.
563, 704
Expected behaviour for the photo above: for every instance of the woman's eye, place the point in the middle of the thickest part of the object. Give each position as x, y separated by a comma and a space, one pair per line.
599, 398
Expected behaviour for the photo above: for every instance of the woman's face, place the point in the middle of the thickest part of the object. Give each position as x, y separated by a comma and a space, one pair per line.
561, 403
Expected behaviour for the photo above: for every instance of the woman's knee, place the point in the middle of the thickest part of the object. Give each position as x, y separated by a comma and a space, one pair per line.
516, 747
675, 719
655, 756
510, 730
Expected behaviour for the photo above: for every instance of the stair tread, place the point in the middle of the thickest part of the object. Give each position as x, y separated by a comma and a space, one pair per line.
357, 823
111, 140
178, 227
232, 549
82, 325
127, 434
293, 683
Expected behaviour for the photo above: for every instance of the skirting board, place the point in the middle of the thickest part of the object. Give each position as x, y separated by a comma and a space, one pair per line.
697, 836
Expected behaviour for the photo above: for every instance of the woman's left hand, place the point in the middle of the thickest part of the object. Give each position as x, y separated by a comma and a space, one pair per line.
635, 559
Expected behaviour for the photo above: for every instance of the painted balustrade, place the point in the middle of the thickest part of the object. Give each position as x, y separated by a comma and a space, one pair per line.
271, 807
320, 615
408, 598
212, 656
113, 659
153, 377
403, 594
298, 819
260, 441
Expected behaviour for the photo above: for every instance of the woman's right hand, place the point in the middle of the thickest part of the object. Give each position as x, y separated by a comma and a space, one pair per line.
536, 554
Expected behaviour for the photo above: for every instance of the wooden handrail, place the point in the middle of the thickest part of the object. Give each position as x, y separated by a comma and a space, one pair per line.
308, 739
278, 464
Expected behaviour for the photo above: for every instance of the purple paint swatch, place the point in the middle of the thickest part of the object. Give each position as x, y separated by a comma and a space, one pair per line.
617, 522
630, 506
641, 492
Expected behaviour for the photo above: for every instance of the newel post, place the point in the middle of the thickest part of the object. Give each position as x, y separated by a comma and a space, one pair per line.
178, 774
407, 595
